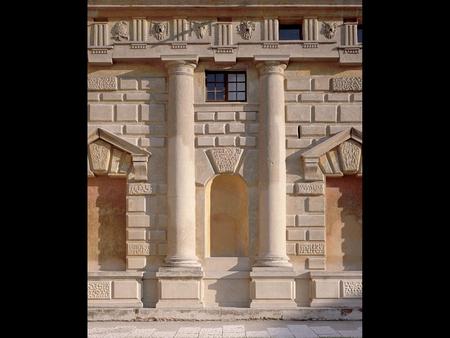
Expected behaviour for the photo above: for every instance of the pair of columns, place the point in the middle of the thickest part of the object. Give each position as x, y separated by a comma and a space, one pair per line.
181, 167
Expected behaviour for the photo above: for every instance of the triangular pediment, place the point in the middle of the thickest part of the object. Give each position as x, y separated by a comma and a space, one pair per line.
117, 142
337, 155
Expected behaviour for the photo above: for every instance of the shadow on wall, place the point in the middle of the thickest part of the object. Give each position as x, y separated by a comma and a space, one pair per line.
106, 224
344, 223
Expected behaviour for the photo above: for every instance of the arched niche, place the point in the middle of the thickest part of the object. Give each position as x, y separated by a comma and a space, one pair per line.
116, 169
227, 221
337, 161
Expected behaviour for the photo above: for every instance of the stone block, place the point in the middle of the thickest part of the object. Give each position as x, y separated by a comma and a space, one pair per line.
101, 112
114, 128
138, 220
326, 289
310, 220
137, 129
205, 116
205, 141
312, 131
136, 262
325, 113
156, 235
248, 141
199, 128
127, 112
139, 249
291, 130
357, 97
350, 113
136, 234
215, 128
321, 83
290, 97
274, 289
112, 96
298, 113
162, 249
154, 84
252, 128
290, 189
316, 263
290, 220
295, 143
226, 140
180, 289
137, 96
157, 142
291, 249
336, 129
226, 116
296, 235
298, 84
311, 97
158, 129
236, 127
128, 84
247, 115
338, 97
311, 248
125, 289
93, 96
153, 112
136, 203
316, 235
315, 203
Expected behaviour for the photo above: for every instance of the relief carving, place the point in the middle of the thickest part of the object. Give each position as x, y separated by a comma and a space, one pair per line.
120, 31
311, 249
346, 84
329, 29
140, 189
246, 28
100, 153
102, 83
309, 188
138, 249
200, 29
350, 154
352, 289
99, 290
225, 160
160, 30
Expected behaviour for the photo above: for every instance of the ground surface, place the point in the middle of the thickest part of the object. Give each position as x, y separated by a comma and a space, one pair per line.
254, 329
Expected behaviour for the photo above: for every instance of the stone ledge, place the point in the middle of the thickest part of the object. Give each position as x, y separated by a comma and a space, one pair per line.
222, 314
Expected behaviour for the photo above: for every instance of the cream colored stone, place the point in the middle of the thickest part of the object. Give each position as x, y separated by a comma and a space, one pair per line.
326, 289
125, 289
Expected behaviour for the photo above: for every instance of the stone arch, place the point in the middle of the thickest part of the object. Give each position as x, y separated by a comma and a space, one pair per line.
117, 170
227, 216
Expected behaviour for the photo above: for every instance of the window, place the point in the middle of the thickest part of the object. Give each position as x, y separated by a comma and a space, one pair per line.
360, 33
226, 86
290, 32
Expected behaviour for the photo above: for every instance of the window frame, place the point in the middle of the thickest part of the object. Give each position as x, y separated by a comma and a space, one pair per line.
225, 82
292, 24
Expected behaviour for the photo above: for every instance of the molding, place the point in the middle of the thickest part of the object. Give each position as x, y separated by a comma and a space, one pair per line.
337, 155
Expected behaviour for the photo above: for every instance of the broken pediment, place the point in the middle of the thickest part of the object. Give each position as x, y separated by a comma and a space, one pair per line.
337, 155
108, 154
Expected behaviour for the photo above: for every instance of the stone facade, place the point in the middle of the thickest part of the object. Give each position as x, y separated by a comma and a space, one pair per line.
194, 168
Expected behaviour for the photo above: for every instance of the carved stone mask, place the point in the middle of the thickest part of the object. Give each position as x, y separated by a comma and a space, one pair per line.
329, 29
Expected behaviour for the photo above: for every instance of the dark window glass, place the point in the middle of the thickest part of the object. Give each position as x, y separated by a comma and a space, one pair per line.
226, 86
290, 32
360, 33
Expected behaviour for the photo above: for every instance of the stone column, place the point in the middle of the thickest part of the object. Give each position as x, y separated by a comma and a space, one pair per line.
272, 166
179, 281
181, 166
273, 278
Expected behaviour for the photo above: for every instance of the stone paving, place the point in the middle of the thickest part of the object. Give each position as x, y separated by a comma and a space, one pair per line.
250, 329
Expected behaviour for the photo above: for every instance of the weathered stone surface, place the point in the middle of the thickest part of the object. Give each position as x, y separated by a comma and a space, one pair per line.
225, 160
352, 289
99, 289
311, 249
102, 83
140, 189
346, 84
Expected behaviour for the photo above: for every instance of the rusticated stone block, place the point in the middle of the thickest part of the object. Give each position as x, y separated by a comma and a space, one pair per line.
298, 113
99, 289
346, 84
296, 235
298, 84
311, 249
102, 83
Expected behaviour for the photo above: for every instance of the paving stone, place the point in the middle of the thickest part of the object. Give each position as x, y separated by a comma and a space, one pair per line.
325, 331
257, 334
142, 333
211, 332
279, 332
350, 333
233, 331
164, 334
188, 332
302, 331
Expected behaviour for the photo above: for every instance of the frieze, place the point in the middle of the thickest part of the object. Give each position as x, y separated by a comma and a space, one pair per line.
309, 188
102, 83
99, 290
140, 189
311, 249
225, 160
120, 31
160, 30
352, 289
346, 84
138, 249
246, 28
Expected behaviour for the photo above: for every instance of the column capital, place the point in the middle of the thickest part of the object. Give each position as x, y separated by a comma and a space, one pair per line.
180, 67
271, 67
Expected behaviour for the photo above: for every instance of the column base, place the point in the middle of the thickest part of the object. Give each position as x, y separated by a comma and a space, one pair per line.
179, 287
182, 262
273, 288
274, 261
